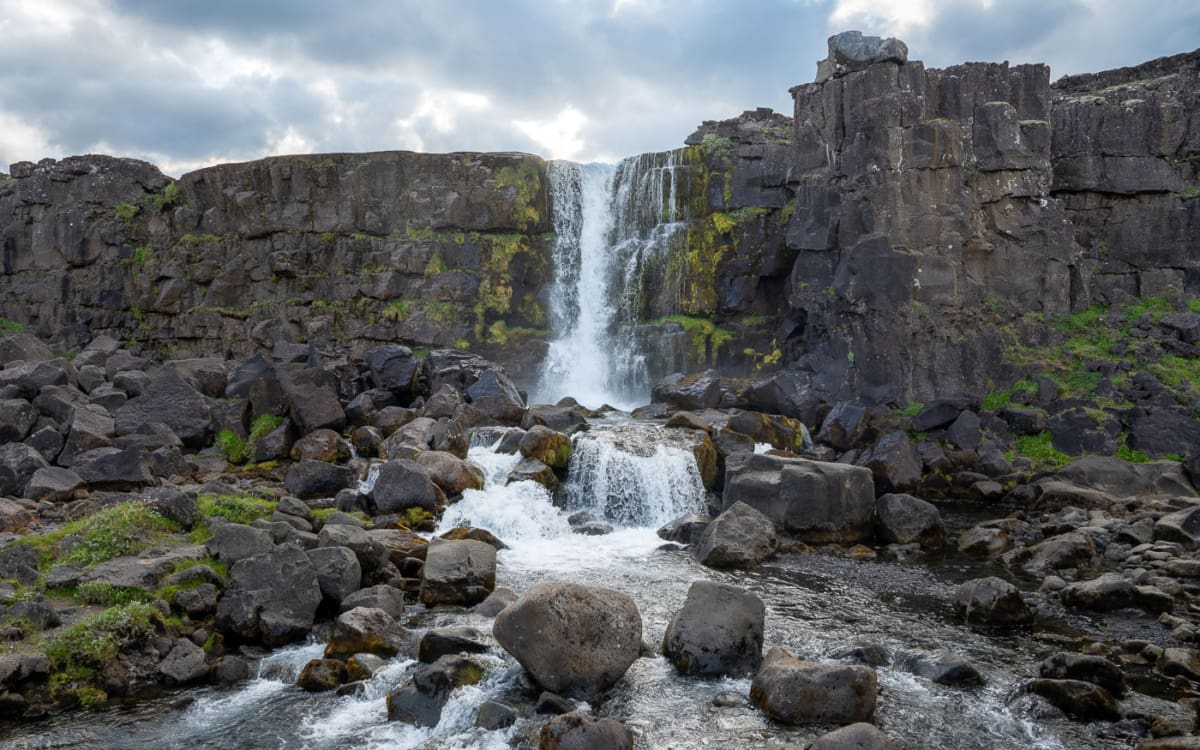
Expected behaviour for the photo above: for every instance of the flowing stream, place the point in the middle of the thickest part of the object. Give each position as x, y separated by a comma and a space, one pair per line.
626, 473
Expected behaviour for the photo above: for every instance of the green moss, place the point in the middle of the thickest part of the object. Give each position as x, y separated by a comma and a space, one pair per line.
1126, 453
124, 529
435, 265
1156, 307
501, 334
526, 181
170, 196
912, 409
9, 327
263, 425
235, 508
397, 310
997, 400
79, 652
704, 337
110, 596
718, 148
1039, 449
417, 518
328, 238
1175, 371
320, 514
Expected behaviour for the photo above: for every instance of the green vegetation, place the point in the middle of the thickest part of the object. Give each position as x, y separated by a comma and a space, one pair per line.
435, 265
1175, 371
1039, 449
328, 238
397, 310
262, 426
1126, 453
704, 337
9, 327
124, 529
167, 198
525, 181
417, 518
912, 409
235, 508
501, 334
997, 400
232, 447
80, 651
127, 212
141, 255
718, 148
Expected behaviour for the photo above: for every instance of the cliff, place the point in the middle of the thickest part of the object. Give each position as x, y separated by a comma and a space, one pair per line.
897, 237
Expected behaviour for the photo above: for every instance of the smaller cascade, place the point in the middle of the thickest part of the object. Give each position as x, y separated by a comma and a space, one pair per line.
633, 475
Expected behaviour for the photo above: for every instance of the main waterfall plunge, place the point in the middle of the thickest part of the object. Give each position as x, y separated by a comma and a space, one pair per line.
609, 223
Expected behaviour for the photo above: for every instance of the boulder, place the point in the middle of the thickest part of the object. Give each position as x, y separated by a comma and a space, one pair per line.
1089, 668
310, 479
438, 642
532, 470
1181, 526
690, 392
321, 445
965, 431
184, 663
893, 462
904, 519
144, 570
719, 631
364, 630
172, 401
113, 469
495, 395
495, 715
844, 426
339, 573
270, 598
53, 484
741, 537
17, 418
449, 472
403, 484
942, 668
458, 572
814, 501
312, 398
685, 529
1125, 479
382, 596
495, 603
860, 736
991, 601
322, 675
574, 640
939, 413
850, 51
23, 346
232, 542
545, 445
197, 603
579, 731
800, 692
420, 702
370, 552
395, 369
1080, 700
1112, 591
18, 464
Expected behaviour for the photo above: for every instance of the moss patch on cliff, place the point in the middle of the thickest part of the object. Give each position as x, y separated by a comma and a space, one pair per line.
525, 181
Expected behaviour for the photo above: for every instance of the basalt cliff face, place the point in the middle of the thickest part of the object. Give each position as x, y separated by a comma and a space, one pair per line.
894, 239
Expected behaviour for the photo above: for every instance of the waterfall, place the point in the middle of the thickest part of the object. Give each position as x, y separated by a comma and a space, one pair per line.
611, 224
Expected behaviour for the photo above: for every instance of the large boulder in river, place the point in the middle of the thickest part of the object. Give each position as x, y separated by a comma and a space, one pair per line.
801, 692
741, 537
904, 519
449, 472
544, 444
574, 640
860, 736
719, 631
169, 399
814, 501
458, 572
271, 598
894, 463
576, 730
991, 601
1113, 591
497, 396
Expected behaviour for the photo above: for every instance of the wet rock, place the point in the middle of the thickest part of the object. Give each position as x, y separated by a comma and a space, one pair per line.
338, 570
394, 368
942, 668
904, 519
495, 715
420, 702
530, 469
991, 601
719, 631
552, 703
559, 418
439, 642
382, 596
1171, 743
1073, 550
685, 529
1124, 479
860, 736
495, 395
310, 479
495, 603
741, 537
459, 533
811, 500
404, 484
844, 426
322, 675
1179, 661
1112, 591
1094, 669
365, 631
1080, 700
369, 551
458, 572
574, 640
800, 692
545, 445
690, 392
578, 731
271, 598
1181, 527
321, 445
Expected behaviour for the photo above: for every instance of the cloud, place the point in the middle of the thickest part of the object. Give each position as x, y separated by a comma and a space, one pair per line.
187, 83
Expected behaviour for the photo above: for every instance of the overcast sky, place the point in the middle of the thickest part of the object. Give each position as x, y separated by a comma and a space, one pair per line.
188, 83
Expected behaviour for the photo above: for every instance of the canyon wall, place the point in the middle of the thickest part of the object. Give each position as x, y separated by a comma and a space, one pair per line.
890, 240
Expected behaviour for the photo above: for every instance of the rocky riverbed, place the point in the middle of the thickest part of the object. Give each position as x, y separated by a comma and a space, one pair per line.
310, 547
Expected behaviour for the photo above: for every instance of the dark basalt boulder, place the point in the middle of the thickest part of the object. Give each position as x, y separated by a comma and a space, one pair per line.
404, 484
497, 396
1089, 668
422, 699
113, 469
740, 537
310, 479
690, 392
270, 598
170, 400
800, 692
991, 601
1112, 591
458, 572
394, 369
1082, 701
364, 630
579, 731
894, 463
574, 640
904, 519
718, 631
